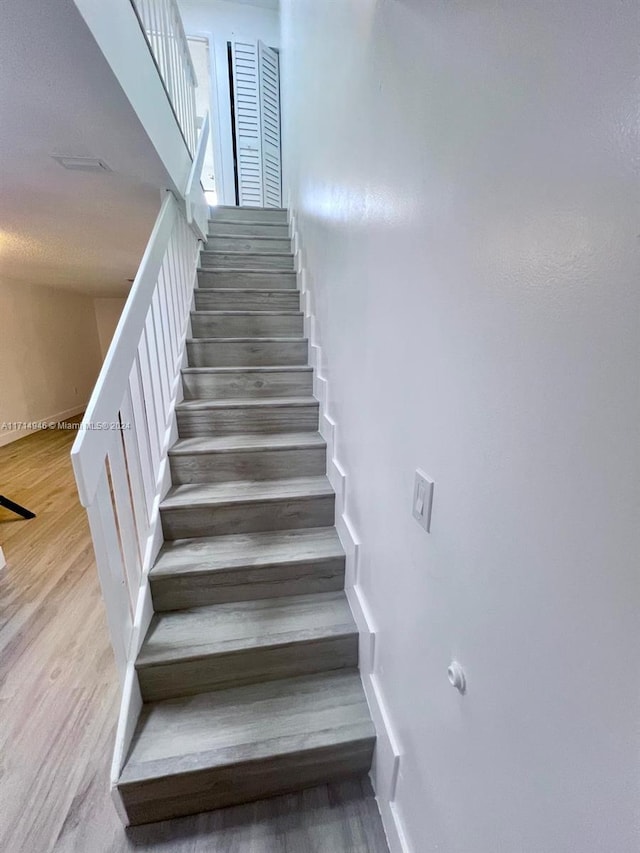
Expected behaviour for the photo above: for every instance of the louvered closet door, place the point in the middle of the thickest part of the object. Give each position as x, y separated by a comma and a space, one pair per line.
247, 120
269, 90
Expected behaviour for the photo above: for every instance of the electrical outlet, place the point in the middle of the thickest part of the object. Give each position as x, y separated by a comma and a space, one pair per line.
423, 500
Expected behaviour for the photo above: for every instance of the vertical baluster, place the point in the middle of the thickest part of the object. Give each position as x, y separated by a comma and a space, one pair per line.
171, 335
135, 459
142, 430
110, 571
183, 253
169, 319
178, 260
172, 55
182, 49
166, 48
156, 384
187, 97
178, 63
124, 517
193, 125
158, 393
152, 28
167, 291
161, 350
166, 42
181, 244
171, 300
143, 10
175, 284
190, 115
150, 406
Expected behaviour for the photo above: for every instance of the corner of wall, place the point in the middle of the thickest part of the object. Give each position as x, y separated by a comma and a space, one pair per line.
387, 756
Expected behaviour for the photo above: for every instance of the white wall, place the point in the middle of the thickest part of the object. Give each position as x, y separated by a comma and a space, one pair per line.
107, 311
222, 21
49, 354
465, 181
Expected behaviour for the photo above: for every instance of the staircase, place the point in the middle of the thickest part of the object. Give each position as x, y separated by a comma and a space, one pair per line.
249, 670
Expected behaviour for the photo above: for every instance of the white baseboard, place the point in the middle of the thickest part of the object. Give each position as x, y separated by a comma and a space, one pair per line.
8, 436
3, 561
387, 756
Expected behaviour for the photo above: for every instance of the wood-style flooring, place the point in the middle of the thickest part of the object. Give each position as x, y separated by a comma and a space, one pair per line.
59, 701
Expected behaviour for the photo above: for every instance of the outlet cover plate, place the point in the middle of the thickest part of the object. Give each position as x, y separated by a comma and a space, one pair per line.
423, 499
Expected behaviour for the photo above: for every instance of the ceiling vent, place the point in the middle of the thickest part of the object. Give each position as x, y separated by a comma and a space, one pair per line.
82, 164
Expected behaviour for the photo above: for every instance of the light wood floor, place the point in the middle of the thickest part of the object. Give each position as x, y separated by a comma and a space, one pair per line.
59, 701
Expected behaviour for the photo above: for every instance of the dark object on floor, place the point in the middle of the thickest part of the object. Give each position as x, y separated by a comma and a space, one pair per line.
13, 507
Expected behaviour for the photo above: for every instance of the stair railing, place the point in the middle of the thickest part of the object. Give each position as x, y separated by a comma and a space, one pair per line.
161, 24
195, 200
120, 454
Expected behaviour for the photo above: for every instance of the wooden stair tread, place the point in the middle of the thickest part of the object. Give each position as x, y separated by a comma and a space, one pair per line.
247, 442
244, 270
235, 725
240, 236
245, 625
218, 494
232, 291
218, 553
284, 368
244, 402
246, 340
245, 252
240, 313
245, 208
240, 222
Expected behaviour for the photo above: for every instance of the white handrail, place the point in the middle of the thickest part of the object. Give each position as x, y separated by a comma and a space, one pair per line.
196, 202
119, 456
162, 25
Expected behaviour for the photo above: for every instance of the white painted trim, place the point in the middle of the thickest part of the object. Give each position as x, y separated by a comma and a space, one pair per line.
225, 188
3, 560
90, 447
131, 701
7, 436
388, 752
195, 200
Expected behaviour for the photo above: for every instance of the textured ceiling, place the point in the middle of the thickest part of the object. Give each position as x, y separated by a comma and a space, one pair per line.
76, 230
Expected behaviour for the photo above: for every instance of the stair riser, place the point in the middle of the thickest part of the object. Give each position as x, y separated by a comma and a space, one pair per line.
247, 214
280, 280
248, 517
248, 229
246, 326
250, 666
242, 420
241, 354
247, 583
278, 300
243, 465
237, 243
246, 260
227, 386
202, 790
